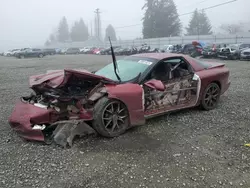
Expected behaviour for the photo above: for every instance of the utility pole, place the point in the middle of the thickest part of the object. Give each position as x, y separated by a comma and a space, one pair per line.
91, 29
97, 12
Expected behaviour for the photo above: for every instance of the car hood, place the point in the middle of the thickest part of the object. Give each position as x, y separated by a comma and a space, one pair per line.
58, 78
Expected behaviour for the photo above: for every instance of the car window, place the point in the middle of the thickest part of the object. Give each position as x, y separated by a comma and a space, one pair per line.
129, 68
35, 50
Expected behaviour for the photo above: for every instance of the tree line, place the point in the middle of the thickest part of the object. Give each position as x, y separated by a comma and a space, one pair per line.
160, 19
79, 32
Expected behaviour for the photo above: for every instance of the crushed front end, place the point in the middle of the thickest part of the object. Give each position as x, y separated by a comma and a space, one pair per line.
60, 107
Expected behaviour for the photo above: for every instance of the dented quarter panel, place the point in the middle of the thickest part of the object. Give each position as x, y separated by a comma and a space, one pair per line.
132, 96
219, 75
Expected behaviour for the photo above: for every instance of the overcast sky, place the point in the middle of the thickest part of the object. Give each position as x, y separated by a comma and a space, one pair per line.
29, 22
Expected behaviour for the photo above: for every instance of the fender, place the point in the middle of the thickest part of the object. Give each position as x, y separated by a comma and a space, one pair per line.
132, 96
219, 75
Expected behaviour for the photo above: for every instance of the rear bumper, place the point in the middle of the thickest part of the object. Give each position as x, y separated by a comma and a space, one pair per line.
24, 116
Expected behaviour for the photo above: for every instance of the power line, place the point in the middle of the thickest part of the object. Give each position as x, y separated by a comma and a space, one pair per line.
184, 14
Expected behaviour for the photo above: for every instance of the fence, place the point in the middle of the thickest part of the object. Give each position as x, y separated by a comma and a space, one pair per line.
160, 42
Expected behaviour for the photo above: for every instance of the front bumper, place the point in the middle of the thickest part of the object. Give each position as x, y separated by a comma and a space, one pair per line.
24, 116
245, 57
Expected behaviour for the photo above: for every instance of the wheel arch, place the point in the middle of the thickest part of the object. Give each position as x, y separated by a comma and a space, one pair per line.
132, 96
216, 82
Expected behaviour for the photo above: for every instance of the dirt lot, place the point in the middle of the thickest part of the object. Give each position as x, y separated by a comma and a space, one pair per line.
191, 148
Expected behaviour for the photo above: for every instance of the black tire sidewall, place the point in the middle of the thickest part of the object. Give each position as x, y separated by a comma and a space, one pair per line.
203, 104
98, 123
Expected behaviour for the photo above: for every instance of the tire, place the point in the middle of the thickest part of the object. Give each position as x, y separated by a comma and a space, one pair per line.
104, 117
211, 97
40, 55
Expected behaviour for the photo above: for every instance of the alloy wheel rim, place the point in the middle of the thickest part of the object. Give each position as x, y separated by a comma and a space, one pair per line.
114, 117
212, 96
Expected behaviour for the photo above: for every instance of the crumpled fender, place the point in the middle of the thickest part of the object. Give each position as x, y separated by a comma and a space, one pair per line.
132, 95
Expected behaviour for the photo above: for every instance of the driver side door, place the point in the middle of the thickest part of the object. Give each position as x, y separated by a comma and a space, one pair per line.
177, 90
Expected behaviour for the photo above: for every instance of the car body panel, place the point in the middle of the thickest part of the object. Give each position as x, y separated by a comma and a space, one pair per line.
22, 116
131, 95
60, 77
245, 54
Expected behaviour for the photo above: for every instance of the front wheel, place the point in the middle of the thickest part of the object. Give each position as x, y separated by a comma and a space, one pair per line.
111, 117
210, 97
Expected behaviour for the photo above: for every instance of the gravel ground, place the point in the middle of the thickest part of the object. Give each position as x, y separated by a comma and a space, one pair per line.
191, 148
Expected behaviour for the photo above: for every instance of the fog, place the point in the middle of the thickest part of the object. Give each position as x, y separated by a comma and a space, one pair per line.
29, 22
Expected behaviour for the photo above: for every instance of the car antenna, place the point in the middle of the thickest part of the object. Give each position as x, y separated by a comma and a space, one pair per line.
114, 61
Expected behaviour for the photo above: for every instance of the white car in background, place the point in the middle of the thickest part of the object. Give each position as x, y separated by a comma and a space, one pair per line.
11, 52
84, 50
167, 48
7, 53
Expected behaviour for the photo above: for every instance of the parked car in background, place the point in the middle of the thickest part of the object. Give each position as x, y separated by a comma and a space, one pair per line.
233, 51
63, 51
154, 50
90, 50
34, 52
144, 48
167, 48
73, 51
10, 52
105, 51
211, 50
187, 49
49, 51
84, 50
245, 54
97, 51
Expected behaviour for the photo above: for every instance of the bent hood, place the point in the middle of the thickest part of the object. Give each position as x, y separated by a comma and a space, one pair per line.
58, 78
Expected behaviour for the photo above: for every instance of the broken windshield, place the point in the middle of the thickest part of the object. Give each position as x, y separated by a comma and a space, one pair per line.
128, 68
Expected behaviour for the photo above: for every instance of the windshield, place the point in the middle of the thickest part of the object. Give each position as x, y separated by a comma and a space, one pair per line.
129, 68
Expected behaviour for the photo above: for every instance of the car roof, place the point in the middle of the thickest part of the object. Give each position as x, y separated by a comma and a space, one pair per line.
158, 56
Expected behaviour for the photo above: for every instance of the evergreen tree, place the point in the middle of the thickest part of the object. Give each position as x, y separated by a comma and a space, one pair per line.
148, 20
161, 19
110, 32
47, 43
63, 30
199, 24
52, 38
79, 31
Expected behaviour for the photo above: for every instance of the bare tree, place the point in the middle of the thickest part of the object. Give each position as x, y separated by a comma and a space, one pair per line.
232, 28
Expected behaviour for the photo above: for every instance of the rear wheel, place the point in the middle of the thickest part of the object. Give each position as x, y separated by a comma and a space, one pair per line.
111, 117
210, 97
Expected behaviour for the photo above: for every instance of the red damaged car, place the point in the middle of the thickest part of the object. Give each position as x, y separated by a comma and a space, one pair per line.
66, 103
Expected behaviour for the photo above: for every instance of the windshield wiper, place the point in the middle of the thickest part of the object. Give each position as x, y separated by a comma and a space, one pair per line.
114, 61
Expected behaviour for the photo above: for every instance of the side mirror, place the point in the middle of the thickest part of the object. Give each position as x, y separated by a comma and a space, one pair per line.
156, 84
